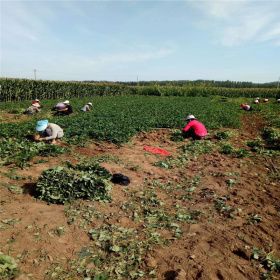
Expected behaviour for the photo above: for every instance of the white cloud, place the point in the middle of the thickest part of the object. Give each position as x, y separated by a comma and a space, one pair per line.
248, 28
23, 23
238, 22
272, 34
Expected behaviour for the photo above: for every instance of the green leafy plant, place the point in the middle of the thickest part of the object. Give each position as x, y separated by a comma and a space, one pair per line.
21, 151
177, 135
62, 185
265, 260
240, 153
271, 136
197, 148
254, 143
226, 148
253, 219
223, 135
223, 208
8, 267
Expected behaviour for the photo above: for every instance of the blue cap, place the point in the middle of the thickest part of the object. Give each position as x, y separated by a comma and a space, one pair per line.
42, 125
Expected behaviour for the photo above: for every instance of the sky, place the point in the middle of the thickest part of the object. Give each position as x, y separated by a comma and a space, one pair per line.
141, 40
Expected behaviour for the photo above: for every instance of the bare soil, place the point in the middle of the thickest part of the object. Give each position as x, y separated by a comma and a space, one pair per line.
213, 248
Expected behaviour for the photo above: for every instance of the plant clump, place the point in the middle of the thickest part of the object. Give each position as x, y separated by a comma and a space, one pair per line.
271, 136
197, 148
8, 267
61, 185
223, 135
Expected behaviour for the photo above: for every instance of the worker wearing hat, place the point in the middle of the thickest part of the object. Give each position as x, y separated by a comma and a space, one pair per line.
36, 103
246, 107
87, 107
68, 108
48, 131
257, 101
194, 129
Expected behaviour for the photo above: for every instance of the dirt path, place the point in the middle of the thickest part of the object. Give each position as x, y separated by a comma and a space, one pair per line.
235, 202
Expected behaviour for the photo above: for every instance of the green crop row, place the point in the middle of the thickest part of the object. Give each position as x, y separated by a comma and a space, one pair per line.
204, 90
117, 119
19, 90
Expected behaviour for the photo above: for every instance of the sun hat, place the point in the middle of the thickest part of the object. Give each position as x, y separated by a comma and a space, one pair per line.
42, 125
36, 100
190, 117
90, 103
66, 102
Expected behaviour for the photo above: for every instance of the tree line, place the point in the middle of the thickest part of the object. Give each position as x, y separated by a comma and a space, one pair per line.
212, 83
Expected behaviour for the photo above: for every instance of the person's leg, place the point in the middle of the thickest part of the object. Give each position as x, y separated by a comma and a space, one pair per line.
189, 134
197, 137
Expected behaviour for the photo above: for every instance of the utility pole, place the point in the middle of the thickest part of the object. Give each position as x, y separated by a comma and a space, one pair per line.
278, 83
35, 73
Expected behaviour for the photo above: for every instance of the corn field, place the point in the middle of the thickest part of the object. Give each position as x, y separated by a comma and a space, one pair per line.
20, 90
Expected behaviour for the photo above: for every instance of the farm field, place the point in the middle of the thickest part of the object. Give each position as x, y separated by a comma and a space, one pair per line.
209, 211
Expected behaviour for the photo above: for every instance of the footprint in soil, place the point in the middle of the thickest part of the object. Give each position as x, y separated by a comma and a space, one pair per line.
179, 274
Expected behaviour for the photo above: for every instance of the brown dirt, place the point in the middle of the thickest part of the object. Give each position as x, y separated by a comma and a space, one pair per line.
209, 249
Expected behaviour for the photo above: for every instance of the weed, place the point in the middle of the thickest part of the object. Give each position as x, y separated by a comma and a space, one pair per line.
253, 219
265, 260
223, 208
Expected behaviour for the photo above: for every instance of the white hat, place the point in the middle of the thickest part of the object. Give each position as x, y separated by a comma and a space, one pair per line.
190, 117
36, 100
90, 103
66, 102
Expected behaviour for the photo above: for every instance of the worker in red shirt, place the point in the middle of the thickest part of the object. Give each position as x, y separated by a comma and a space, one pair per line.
246, 107
194, 129
36, 101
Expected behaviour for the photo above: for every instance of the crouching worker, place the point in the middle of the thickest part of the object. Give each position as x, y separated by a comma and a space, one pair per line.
87, 107
194, 129
68, 110
37, 102
246, 107
34, 108
48, 131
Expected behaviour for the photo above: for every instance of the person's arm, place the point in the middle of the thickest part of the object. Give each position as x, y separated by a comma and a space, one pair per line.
55, 129
63, 109
188, 126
